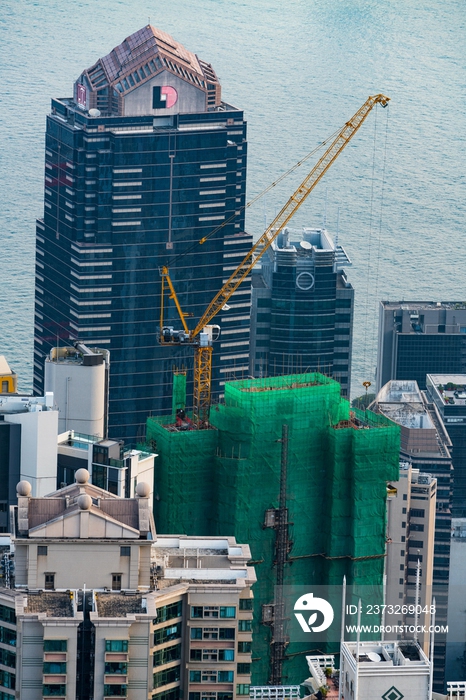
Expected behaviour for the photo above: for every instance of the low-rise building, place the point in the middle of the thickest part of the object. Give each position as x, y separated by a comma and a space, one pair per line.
101, 607
112, 465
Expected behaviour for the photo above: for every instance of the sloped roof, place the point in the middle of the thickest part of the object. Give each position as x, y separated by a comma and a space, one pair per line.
138, 51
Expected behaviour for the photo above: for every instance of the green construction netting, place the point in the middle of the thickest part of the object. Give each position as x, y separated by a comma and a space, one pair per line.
222, 482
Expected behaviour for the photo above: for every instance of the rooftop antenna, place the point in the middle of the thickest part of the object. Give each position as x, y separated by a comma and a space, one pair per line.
338, 228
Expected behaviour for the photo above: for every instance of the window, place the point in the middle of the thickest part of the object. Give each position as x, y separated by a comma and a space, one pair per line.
417, 512
226, 654
194, 676
168, 675
166, 634
244, 669
244, 625
164, 656
225, 676
244, 647
125, 551
42, 550
116, 645
115, 668
8, 636
245, 603
226, 633
118, 691
242, 689
168, 612
55, 644
419, 544
54, 667
116, 582
7, 614
226, 611
49, 582
53, 689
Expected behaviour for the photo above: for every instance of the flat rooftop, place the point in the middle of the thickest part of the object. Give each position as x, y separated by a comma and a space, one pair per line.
450, 388
420, 305
401, 400
396, 653
53, 603
120, 605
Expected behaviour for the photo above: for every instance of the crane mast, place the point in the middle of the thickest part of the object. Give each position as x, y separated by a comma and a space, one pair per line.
201, 337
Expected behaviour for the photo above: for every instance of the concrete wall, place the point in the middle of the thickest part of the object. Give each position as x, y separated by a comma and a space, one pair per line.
191, 99
79, 564
79, 394
38, 449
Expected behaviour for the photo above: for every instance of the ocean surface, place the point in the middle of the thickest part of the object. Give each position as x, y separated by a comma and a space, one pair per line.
299, 70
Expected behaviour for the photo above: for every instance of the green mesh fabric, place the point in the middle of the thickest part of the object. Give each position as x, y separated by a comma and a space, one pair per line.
222, 481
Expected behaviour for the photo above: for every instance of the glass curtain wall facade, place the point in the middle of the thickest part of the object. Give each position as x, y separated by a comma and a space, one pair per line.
302, 313
124, 195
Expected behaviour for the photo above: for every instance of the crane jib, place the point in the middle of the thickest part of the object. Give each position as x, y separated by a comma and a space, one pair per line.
203, 358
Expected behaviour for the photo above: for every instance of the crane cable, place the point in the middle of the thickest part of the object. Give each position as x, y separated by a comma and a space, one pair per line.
171, 262
375, 291
369, 248
382, 193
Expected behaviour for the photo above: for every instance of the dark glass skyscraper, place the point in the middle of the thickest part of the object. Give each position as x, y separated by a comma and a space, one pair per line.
143, 162
302, 310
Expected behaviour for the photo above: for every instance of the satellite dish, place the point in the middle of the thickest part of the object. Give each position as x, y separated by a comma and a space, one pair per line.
372, 656
305, 245
94, 112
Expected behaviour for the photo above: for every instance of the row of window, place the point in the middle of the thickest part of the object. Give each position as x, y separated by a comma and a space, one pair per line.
116, 645
166, 634
208, 695
7, 614
206, 611
212, 632
212, 655
7, 636
54, 667
168, 675
8, 680
211, 676
169, 612
164, 656
55, 644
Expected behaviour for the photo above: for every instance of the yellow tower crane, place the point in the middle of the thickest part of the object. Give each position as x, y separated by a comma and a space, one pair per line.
204, 333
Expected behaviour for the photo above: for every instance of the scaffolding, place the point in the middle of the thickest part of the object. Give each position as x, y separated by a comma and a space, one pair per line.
230, 481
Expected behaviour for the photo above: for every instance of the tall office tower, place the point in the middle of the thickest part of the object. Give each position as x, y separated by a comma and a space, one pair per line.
143, 162
302, 308
420, 337
425, 444
448, 393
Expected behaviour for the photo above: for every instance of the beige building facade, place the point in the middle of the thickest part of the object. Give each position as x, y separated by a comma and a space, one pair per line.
102, 607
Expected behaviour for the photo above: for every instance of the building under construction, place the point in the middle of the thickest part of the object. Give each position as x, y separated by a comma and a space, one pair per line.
289, 468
